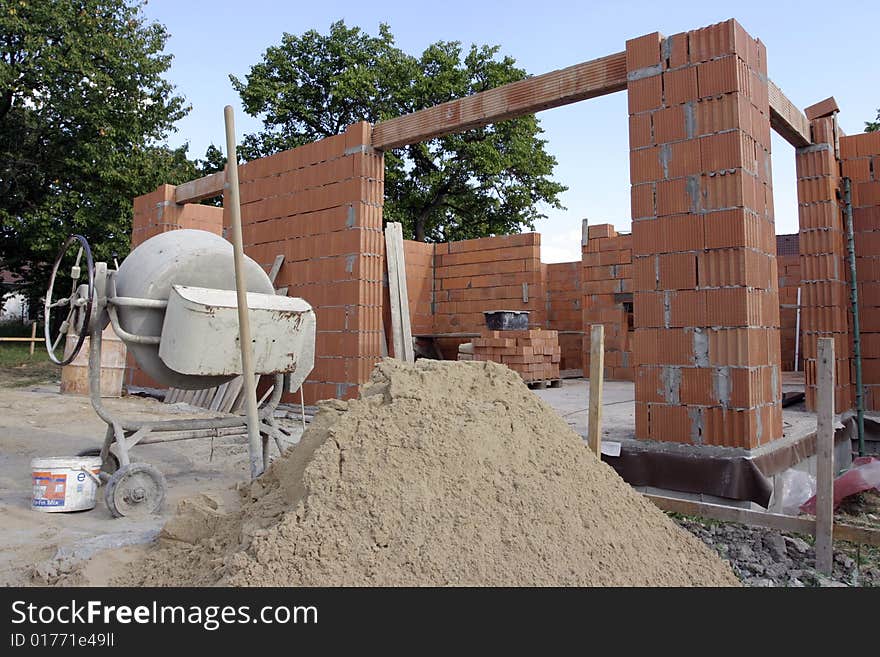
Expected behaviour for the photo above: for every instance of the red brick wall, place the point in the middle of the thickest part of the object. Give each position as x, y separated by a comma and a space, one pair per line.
419, 259
706, 338
606, 261
860, 155
321, 206
564, 310
472, 276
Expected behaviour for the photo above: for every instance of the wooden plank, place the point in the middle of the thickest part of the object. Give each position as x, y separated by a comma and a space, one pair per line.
786, 119
806, 526
231, 395
393, 292
276, 267
218, 396
403, 296
568, 85
597, 371
200, 188
825, 456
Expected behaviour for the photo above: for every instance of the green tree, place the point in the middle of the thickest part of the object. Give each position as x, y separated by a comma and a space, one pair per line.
491, 180
84, 110
873, 126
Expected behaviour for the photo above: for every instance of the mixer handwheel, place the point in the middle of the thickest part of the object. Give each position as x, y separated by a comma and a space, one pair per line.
135, 490
78, 303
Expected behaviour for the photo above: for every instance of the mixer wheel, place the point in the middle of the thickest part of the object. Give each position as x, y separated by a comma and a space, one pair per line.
136, 490
109, 466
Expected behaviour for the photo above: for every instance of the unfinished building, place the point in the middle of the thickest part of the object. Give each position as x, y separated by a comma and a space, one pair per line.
699, 303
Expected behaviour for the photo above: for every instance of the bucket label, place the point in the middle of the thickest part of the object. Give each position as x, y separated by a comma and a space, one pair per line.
49, 489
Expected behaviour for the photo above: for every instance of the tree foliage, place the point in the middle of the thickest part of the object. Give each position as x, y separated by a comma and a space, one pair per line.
491, 180
83, 112
873, 126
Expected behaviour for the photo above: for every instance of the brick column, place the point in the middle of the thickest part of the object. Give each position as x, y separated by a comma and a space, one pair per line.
606, 265
860, 155
321, 206
824, 290
704, 269
157, 212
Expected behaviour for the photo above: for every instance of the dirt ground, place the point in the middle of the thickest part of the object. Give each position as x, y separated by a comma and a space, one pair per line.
92, 548
50, 548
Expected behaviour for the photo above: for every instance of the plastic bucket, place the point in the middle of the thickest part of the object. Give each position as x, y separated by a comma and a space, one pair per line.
65, 483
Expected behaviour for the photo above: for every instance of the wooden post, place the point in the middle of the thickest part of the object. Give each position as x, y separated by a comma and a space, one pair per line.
597, 370
825, 456
33, 335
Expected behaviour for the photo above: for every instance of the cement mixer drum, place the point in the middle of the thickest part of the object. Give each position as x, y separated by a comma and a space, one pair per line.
177, 288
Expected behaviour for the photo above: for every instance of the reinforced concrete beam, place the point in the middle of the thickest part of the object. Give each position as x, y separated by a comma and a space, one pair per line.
786, 119
568, 85
200, 188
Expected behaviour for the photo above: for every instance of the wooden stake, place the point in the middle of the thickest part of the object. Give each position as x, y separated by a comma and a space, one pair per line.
825, 456
255, 447
33, 335
597, 369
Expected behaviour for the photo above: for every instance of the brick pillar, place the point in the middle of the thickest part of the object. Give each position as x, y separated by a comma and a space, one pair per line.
321, 206
824, 289
860, 155
606, 286
704, 268
156, 213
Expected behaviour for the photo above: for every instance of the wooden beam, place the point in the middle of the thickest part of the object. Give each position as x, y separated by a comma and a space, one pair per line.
200, 189
786, 119
825, 456
597, 374
568, 85
806, 526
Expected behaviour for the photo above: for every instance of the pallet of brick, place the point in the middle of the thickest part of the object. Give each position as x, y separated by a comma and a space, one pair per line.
534, 354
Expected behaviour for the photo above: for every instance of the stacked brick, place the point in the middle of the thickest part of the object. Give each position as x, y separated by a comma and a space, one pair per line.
705, 289
534, 354
606, 261
860, 155
156, 213
824, 290
321, 206
563, 302
490, 273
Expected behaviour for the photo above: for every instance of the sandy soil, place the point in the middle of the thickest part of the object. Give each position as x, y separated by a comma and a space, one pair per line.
60, 548
441, 473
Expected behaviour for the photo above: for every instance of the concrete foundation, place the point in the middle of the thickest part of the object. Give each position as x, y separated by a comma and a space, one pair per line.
768, 463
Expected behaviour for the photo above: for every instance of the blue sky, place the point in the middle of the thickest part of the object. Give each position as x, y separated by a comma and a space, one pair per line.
815, 50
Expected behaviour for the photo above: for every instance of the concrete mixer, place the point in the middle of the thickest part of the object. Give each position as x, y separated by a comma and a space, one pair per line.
173, 303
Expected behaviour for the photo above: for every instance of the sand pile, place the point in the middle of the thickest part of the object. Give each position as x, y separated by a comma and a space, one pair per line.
441, 473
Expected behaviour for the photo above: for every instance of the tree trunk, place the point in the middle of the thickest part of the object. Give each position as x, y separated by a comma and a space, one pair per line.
419, 227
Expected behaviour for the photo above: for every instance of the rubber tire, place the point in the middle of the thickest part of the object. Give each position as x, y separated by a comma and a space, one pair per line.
109, 466
139, 509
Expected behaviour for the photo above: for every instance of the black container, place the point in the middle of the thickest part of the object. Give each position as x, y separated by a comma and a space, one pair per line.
507, 320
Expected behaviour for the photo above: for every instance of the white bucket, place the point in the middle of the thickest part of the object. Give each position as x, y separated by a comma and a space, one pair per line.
65, 483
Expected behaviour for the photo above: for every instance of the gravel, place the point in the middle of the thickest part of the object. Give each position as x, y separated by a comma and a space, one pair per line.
765, 557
